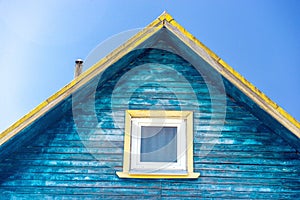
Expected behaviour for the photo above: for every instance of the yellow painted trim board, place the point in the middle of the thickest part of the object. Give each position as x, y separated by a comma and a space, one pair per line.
127, 143
158, 113
282, 116
153, 176
165, 114
190, 142
97, 68
265, 103
170, 19
240, 83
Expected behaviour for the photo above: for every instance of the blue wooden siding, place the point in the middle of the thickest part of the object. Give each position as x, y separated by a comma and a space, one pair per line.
247, 159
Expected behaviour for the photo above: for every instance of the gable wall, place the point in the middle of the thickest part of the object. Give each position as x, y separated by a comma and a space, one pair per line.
79, 155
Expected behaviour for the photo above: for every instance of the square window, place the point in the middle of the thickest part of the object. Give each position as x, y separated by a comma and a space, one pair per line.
158, 144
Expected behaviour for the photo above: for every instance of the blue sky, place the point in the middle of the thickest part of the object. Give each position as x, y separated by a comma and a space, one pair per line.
41, 39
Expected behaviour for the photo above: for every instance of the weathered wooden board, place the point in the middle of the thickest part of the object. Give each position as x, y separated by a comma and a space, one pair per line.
237, 154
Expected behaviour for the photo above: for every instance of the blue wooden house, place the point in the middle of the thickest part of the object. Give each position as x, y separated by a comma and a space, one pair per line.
161, 117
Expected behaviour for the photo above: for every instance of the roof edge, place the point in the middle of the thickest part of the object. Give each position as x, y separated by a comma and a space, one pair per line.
282, 116
271, 107
76, 83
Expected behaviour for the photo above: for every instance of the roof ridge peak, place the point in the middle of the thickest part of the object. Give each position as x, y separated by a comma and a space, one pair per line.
164, 20
165, 16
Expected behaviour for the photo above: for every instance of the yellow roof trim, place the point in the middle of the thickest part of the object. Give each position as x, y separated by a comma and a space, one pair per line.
260, 98
75, 84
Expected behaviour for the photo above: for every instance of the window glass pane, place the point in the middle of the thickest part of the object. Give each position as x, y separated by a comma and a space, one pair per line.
158, 144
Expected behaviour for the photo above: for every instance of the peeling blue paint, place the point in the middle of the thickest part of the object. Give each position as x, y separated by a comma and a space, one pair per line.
246, 159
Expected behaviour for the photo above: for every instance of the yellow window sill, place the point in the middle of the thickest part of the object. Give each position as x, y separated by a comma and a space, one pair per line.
158, 176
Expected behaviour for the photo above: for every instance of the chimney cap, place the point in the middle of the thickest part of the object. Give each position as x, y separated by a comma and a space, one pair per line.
78, 61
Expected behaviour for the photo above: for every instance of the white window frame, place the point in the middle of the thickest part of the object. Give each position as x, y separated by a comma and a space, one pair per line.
137, 166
